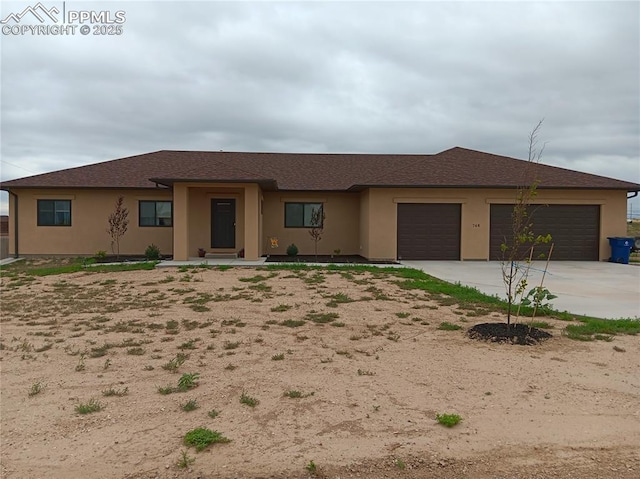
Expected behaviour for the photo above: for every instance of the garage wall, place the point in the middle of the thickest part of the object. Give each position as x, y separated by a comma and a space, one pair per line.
475, 215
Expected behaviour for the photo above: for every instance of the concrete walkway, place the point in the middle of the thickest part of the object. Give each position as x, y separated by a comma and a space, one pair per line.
600, 289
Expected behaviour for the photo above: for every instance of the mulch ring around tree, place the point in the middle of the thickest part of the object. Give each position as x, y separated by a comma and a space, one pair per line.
503, 333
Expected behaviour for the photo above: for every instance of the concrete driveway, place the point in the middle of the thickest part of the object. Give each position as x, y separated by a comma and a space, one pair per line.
604, 290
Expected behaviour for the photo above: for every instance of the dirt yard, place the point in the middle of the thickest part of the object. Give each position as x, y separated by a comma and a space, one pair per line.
348, 371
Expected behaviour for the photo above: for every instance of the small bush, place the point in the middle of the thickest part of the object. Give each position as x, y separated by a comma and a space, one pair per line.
448, 420
92, 406
201, 438
152, 252
292, 250
190, 405
248, 400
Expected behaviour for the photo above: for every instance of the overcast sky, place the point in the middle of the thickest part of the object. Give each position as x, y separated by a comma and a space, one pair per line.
383, 77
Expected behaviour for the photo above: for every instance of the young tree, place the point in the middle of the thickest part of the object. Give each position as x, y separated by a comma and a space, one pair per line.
316, 231
118, 224
518, 249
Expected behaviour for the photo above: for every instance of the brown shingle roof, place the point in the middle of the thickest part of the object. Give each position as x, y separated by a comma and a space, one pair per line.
457, 167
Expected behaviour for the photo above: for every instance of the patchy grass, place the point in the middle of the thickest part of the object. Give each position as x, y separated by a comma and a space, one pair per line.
447, 326
592, 328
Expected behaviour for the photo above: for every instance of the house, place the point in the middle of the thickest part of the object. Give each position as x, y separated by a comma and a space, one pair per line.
453, 205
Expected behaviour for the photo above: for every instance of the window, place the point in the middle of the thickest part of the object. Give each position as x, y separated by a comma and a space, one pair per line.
54, 212
156, 213
299, 215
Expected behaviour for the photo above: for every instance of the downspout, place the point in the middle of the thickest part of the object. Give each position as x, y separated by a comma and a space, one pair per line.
15, 224
635, 193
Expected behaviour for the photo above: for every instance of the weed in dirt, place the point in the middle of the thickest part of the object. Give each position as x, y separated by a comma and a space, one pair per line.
257, 278
248, 400
190, 405
294, 394
391, 336
277, 357
540, 325
115, 392
322, 318
311, 467
400, 464
188, 381
201, 438
175, 363
89, 407
168, 389
36, 388
292, 323
228, 345
447, 326
364, 372
213, 414
44, 347
260, 287
185, 460
80, 366
402, 315
200, 308
448, 420
191, 344
281, 308
136, 351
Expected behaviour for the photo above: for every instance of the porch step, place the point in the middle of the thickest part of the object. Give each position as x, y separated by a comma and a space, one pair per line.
221, 255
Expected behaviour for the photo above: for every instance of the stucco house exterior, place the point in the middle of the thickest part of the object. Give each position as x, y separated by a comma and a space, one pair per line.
451, 205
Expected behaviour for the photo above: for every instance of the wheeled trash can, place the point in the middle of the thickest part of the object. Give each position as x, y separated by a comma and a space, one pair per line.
620, 249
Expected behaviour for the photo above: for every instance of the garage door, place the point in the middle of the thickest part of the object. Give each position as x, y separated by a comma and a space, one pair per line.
575, 230
428, 231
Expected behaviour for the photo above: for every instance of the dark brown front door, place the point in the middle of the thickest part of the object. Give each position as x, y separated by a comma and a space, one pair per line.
575, 230
429, 231
223, 223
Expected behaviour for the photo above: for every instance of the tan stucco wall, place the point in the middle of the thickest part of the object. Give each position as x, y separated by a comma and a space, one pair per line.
356, 223
476, 203
88, 231
364, 224
341, 225
192, 211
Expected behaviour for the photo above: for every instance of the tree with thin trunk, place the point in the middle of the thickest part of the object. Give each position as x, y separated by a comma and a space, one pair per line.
518, 249
317, 225
118, 224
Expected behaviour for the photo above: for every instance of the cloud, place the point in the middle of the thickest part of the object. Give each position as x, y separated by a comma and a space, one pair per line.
330, 77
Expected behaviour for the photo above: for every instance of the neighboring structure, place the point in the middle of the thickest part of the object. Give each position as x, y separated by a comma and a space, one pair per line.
451, 205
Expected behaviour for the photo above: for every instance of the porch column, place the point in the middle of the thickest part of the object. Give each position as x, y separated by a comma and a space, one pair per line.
251, 222
180, 222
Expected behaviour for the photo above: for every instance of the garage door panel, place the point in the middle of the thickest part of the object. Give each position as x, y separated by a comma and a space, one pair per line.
575, 230
429, 231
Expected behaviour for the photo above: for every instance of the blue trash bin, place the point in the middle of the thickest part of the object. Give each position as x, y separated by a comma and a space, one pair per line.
620, 249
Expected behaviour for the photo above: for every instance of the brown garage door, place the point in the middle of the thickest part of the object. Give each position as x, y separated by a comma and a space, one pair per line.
575, 230
428, 231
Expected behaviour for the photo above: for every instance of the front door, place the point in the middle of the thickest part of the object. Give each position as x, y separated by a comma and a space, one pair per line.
223, 223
